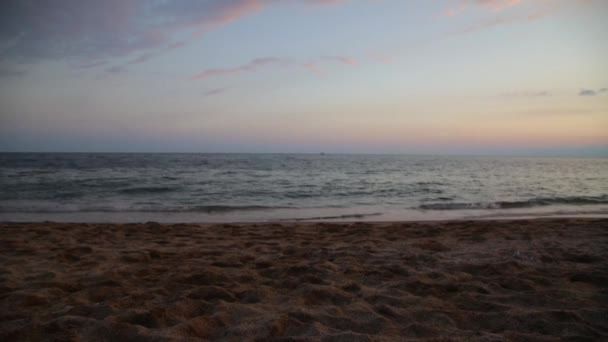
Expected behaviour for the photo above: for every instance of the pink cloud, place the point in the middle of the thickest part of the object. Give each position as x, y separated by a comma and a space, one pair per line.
498, 5
313, 67
237, 11
527, 16
492, 5
326, 2
457, 9
341, 59
222, 15
83, 32
384, 59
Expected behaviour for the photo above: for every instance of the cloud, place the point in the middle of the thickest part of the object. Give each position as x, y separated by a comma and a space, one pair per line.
7, 73
109, 28
215, 91
461, 6
55, 29
90, 30
383, 59
251, 66
89, 64
527, 94
340, 59
592, 92
498, 5
206, 15
326, 2
255, 64
534, 10
115, 70
560, 111
587, 92
530, 15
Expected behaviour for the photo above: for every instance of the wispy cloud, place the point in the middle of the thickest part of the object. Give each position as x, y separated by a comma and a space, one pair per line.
498, 5
560, 111
340, 59
89, 64
382, 58
253, 65
90, 31
7, 73
527, 94
215, 91
326, 2
116, 70
460, 6
57, 29
536, 9
142, 58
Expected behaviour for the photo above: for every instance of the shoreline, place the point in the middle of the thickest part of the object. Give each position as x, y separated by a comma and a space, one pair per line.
315, 221
539, 279
355, 214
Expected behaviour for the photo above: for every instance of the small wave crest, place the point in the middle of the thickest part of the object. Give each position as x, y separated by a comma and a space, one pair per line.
147, 190
208, 209
535, 202
228, 208
336, 217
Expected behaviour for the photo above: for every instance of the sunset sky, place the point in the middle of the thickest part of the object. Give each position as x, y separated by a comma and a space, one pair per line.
358, 76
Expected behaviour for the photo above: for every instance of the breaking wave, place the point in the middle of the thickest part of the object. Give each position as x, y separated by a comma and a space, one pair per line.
535, 202
108, 209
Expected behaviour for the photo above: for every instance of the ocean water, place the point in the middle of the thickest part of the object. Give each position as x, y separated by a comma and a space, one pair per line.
267, 187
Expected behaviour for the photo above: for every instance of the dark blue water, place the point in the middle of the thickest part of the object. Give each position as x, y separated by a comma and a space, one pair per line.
253, 187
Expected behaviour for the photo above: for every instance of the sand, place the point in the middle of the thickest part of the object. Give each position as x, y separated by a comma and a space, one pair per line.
537, 280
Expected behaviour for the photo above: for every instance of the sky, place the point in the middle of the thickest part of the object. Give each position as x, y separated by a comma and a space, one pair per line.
334, 76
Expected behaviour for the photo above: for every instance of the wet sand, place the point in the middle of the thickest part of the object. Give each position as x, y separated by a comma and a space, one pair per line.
536, 280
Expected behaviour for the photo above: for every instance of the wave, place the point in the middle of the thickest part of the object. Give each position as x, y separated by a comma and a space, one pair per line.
147, 190
209, 209
542, 214
228, 208
347, 216
535, 202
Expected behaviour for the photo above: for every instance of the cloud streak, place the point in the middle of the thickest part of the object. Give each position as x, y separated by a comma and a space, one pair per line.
326, 2
592, 92
499, 5
527, 94
258, 63
115, 70
492, 5
7, 73
251, 66
215, 91
340, 59
543, 9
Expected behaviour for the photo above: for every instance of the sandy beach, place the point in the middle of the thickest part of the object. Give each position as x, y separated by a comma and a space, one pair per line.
536, 280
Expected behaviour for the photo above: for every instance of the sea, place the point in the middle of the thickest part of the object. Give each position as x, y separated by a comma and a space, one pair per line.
131, 187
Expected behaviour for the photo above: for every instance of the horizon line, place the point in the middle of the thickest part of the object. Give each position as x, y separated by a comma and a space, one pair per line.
321, 153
